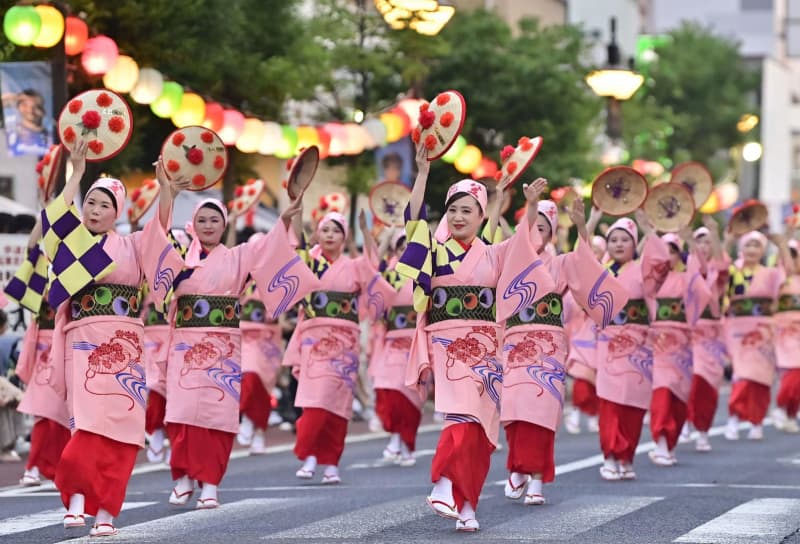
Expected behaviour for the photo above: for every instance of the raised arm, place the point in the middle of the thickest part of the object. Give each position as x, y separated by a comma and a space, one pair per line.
494, 209
77, 158
370, 247
166, 196
594, 219
532, 192
577, 214
417, 199
716, 245
647, 228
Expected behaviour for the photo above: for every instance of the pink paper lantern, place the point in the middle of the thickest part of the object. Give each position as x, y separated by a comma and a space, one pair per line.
99, 55
232, 126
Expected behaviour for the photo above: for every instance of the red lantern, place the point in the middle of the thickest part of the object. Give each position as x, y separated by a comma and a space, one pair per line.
215, 116
76, 32
324, 142
487, 168
99, 55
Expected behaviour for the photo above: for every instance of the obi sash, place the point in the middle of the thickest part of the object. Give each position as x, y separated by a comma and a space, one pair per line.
545, 311
46, 318
634, 313
207, 311
334, 304
254, 311
670, 309
106, 299
750, 306
151, 316
471, 302
400, 318
789, 303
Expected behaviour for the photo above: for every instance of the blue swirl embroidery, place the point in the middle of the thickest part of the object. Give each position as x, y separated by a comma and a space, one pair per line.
228, 378
346, 368
717, 350
492, 378
550, 376
374, 297
163, 276
692, 303
83, 346
462, 418
133, 383
642, 361
604, 299
289, 284
683, 360
525, 290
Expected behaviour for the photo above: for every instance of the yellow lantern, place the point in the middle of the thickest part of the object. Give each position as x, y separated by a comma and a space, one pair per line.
306, 137
169, 101
252, 135
273, 134
354, 139
52, 26
148, 86
123, 76
192, 111
469, 159
712, 203
394, 126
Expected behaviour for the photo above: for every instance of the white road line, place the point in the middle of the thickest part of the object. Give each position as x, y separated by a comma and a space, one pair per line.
46, 518
196, 522
380, 463
759, 521
359, 523
583, 514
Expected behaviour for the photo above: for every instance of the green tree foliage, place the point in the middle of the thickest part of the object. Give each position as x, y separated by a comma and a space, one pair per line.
695, 92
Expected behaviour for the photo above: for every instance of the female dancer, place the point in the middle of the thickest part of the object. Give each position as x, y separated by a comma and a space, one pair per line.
624, 356
708, 345
457, 337
98, 336
787, 347
204, 354
534, 348
156, 341
750, 336
324, 349
676, 308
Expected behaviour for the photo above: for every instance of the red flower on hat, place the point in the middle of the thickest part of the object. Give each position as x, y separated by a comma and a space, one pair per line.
39, 167
173, 166
430, 142
525, 143
194, 156
91, 120
199, 180
511, 167
251, 191
796, 208
41, 182
290, 163
135, 194
424, 107
116, 123
506, 152
219, 162
96, 146
447, 119
69, 135
104, 100
285, 184
130, 213
150, 183
426, 119
141, 202
442, 99
178, 138
415, 135
75, 106
498, 175
238, 191
239, 205
207, 137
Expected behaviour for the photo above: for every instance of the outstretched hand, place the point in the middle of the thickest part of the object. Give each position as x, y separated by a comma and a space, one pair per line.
533, 190
577, 213
295, 207
423, 164
77, 156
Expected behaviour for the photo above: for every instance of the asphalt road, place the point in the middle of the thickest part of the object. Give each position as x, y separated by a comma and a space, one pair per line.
742, 492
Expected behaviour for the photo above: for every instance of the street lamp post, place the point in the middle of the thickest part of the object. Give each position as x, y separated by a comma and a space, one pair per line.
426, 17
615, 82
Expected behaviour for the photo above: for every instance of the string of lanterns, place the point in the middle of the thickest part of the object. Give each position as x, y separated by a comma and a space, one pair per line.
44, 25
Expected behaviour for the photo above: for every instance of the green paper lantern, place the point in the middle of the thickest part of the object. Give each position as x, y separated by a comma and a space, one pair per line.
169, 101
288, 144
22, 24
455, 150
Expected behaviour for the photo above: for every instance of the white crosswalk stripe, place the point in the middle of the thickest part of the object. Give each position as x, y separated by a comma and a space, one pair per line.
584, 513
759, 521
46, 518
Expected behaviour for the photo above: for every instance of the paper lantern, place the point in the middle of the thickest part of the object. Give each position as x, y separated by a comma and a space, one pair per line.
487, 168
324, 142
192, 111
169, 101
232, 126
273, 134
76, 33
99, 55
214, 117
148, 87
728, 193
712, 204
394, 126
252, 135
287, 146
469, 159
52, 26
410, 107
405, 119
306, 137
123, 76
338, 134
355, 139
22, 24
455, 150
376, 130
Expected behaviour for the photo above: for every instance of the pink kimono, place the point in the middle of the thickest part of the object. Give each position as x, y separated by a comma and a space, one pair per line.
787, 346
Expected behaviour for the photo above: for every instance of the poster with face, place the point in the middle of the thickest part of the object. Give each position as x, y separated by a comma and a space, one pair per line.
26, 89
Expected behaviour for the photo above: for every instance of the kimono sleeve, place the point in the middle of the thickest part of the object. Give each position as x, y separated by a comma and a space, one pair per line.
377, 294
161, 262
282, 277
655, 265
697, 294
28, 284
416, 263
593, 287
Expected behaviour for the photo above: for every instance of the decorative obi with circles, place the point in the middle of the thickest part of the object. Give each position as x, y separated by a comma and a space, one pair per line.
545, 311
670, 309
634, 313
789, 303
750, 307
471, 302
401, 317
106, 299
334, 304
207, 311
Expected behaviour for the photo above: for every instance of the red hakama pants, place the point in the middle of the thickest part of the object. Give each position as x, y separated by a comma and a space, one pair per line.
48, 440
789, 392
703, 398
584, 396
531, 449
749, 401
199, 453
398, 415
463, 455
255, 400
97, 467
620, 429
320, 433
155, 412
667, 416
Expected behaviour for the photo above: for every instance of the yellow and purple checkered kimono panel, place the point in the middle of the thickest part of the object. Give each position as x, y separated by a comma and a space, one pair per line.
29, 282
76, 254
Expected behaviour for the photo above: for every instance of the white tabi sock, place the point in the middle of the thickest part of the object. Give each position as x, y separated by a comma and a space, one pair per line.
76, 504
103, 516
443, 490
310, 464
209, 491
